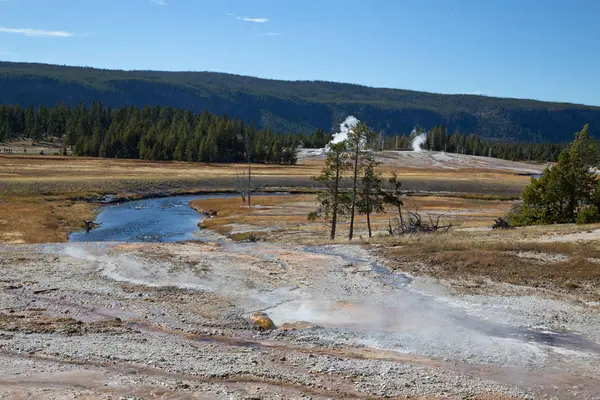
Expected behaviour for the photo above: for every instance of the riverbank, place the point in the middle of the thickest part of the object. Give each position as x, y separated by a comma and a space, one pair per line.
285, 218
43, 198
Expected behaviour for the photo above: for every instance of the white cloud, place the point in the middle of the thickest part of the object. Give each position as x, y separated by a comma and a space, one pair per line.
159, 2
255, 20
247, 19
270, 34
36, 32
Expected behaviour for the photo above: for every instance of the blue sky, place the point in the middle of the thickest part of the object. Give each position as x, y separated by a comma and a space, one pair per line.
541, 49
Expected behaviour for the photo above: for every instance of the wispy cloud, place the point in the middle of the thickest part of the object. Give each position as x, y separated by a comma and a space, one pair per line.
255, 20
248, 19
160, 2
36, 32
269, 34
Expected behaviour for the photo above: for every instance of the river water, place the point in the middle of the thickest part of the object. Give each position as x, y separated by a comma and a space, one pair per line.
155, 220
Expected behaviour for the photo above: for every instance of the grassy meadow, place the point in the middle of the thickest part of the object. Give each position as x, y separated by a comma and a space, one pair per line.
43, 198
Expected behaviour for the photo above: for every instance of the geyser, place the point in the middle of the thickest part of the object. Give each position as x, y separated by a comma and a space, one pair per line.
345, 128
419, 141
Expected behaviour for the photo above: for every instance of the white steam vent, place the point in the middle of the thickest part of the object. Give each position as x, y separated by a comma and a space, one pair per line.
345, 128
418, 141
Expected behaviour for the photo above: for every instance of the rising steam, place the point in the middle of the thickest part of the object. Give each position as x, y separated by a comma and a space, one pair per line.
345, 128
338, 137
418, 141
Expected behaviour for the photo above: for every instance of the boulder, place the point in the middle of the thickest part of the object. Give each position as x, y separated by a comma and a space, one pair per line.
261, 320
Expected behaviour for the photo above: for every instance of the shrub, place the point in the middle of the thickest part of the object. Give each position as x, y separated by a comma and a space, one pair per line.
245, 237
588, 215
521, 216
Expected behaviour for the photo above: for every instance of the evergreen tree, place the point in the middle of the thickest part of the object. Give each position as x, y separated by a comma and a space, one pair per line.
29, 121
4, 131
357, 140
334, 201
370, 196
564, 189
393, 195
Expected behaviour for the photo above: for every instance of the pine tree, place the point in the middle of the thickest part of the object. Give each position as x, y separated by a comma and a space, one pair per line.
564, 189
357, 139
4, 131
393, 195
29, 121
370, 198
334, 201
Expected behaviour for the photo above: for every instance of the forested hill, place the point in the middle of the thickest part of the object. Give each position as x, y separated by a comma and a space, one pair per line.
299, 106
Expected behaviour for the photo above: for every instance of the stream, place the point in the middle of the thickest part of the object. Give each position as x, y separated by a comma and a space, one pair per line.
155, 220
170, 219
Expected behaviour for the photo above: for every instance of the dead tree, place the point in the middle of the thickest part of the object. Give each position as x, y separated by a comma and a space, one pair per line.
89, 225
501, 223
241, 185
248, 144
415, 224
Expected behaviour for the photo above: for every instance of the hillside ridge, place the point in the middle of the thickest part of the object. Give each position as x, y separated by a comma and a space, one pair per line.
296, 106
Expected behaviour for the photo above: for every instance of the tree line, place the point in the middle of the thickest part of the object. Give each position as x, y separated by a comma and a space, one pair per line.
439, 139
299, 106
153, 133
166, 133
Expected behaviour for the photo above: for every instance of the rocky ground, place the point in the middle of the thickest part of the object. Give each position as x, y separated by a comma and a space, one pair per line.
172, 321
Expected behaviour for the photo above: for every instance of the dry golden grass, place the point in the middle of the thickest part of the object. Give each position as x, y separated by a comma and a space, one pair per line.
43, 197
516, 257
284, 218
32, 219
35, 174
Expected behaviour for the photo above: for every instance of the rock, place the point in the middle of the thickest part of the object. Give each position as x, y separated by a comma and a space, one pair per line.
208, 213
108, 199
262, 321
292, 326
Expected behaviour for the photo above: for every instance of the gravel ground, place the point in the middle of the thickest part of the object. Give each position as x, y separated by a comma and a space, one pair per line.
171, 320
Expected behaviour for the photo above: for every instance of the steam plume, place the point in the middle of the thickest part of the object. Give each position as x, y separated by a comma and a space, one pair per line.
418, 141
345, 127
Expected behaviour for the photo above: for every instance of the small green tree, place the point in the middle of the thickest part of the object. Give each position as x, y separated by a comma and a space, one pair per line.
358, 137
564, 189
393, 195
588, 215
370, 196
333, 200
